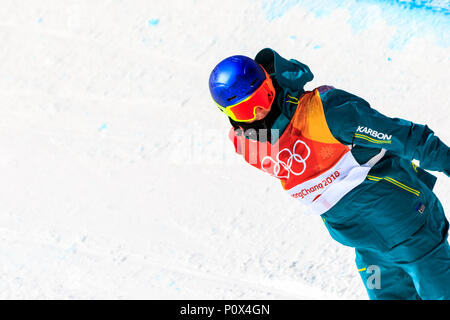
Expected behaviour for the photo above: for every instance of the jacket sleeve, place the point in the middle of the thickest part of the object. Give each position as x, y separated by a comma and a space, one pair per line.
353, 121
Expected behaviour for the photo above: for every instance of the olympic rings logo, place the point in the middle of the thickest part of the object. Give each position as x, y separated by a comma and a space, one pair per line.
287, 165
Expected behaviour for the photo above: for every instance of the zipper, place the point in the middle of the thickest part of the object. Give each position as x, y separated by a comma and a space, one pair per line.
395, 182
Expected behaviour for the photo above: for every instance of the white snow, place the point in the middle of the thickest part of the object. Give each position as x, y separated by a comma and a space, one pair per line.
117, 177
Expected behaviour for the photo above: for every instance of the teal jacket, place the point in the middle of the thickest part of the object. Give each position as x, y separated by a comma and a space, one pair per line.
391, 202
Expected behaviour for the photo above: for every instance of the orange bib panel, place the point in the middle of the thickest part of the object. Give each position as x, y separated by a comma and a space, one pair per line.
311, 164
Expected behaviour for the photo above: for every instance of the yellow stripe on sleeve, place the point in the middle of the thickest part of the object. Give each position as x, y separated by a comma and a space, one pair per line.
362, 136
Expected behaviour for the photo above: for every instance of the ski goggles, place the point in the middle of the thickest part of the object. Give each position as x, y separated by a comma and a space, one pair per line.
245, 110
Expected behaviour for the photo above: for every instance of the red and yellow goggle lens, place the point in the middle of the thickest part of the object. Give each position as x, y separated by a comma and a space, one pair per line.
245, 111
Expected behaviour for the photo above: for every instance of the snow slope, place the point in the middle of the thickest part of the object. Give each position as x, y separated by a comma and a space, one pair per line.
117, 177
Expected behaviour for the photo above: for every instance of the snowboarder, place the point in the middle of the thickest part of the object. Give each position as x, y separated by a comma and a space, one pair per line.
347, 163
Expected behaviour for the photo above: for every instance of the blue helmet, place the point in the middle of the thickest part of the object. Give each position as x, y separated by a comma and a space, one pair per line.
234, 79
